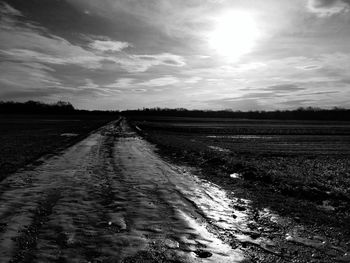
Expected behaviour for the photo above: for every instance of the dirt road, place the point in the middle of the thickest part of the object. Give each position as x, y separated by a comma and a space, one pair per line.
111, 198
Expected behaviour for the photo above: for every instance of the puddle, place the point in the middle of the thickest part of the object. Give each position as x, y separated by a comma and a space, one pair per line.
305, 241
215, 250
213, 202
203, 254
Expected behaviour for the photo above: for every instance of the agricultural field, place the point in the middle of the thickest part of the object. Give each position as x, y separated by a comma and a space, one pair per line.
298, 168
25, 138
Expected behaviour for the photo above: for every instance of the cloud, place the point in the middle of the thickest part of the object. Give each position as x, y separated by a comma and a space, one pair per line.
26, 42
298, 103
141, 63
34, 81
163, 59
139, 47
193, 80
319, 93
9, 10
109, 45
92, 89
29, 81
169, 18
328, 7
159, 82
139, 90
244, 104
60, 55
129, 83
309, 67
121, 83
26, 76
251, 66
284, 88
33, 94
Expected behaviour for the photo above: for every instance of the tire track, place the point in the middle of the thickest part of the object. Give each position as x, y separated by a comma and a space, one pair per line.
26, 242
109, 198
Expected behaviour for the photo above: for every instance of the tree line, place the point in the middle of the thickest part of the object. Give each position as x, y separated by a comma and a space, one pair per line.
309, 113
37, 107
66, 108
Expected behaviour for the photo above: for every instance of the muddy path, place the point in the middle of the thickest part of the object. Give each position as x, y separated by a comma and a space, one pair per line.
111, 198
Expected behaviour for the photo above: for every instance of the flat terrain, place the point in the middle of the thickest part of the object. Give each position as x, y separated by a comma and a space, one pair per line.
298, 169
290, 154
112, 198
24, 138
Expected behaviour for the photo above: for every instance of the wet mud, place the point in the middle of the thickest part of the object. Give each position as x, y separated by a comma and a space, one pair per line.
112, 198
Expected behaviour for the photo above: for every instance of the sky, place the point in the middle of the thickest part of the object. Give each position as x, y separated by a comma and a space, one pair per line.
195, 54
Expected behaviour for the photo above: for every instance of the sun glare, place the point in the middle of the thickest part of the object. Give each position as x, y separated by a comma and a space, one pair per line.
235, 34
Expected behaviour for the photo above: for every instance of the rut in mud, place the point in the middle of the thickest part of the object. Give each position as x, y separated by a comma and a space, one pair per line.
110, 198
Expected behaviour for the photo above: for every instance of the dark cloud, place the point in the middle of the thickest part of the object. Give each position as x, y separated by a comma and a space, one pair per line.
299, 102
32, 94
62, 18
346, 80
284, 88
327, 3
328, 7
320, 93
257, 95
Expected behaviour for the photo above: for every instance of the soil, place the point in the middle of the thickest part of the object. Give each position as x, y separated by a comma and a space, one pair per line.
113, 198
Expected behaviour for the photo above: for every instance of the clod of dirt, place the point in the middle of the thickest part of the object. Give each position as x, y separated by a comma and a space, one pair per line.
235, 175
171, 243
203, 254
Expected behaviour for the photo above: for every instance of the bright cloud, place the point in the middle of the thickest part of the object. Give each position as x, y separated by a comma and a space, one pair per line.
121, 83
158, 82
108, 45
193, 80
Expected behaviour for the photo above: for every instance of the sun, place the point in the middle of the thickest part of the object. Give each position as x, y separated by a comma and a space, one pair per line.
234, 34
